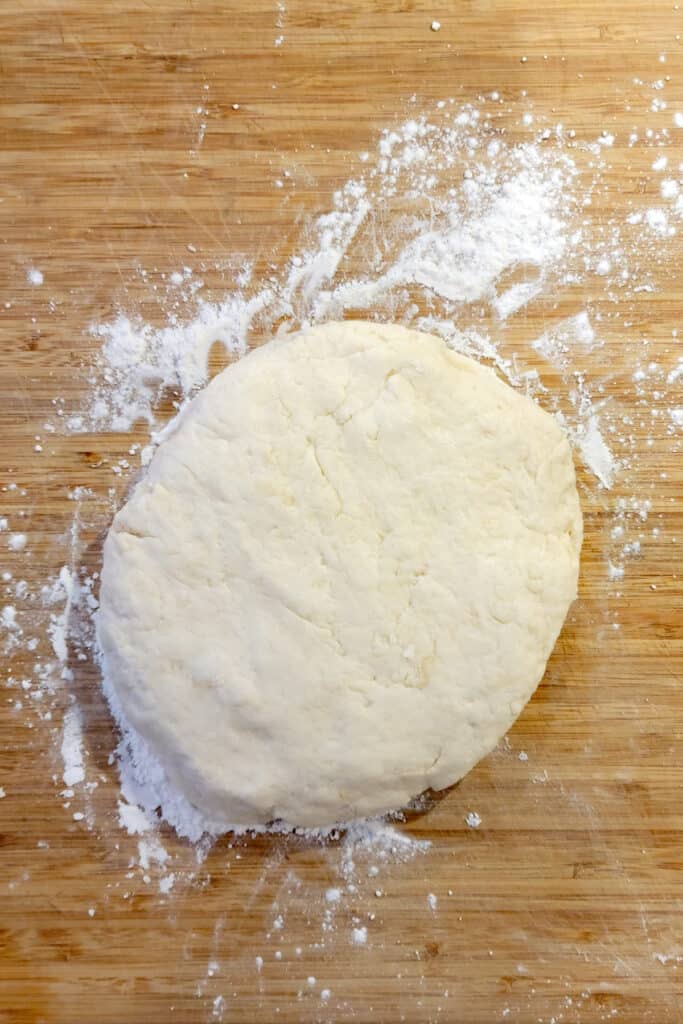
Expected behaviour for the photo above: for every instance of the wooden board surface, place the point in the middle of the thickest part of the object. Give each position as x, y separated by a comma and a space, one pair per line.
566, 905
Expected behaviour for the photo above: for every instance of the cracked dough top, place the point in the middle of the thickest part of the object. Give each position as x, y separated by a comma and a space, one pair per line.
341, 578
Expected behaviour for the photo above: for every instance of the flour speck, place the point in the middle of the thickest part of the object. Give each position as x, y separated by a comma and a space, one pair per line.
34, 276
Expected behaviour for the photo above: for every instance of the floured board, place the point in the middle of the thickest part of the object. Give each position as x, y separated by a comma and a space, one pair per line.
139, 140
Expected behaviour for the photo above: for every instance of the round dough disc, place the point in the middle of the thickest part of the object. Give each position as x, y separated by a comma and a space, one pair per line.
341, 578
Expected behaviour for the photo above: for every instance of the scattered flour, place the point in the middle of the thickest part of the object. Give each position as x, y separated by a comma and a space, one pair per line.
138, 363
558, 345
58, 629
668, 958
151, 851
595, 453
72, 746
8, 617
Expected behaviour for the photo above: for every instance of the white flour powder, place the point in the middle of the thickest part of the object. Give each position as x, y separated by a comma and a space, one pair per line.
72, 747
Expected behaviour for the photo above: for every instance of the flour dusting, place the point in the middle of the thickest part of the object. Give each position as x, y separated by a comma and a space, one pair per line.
72, 747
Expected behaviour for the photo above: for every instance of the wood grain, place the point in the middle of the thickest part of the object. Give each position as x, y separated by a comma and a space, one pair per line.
557, 907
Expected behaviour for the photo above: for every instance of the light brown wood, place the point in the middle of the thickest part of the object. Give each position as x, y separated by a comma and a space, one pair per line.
556, 908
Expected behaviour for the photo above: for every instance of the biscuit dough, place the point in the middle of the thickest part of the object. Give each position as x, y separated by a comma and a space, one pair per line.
341, 577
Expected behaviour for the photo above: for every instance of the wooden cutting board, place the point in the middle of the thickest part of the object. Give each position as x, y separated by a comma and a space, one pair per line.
566, 903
